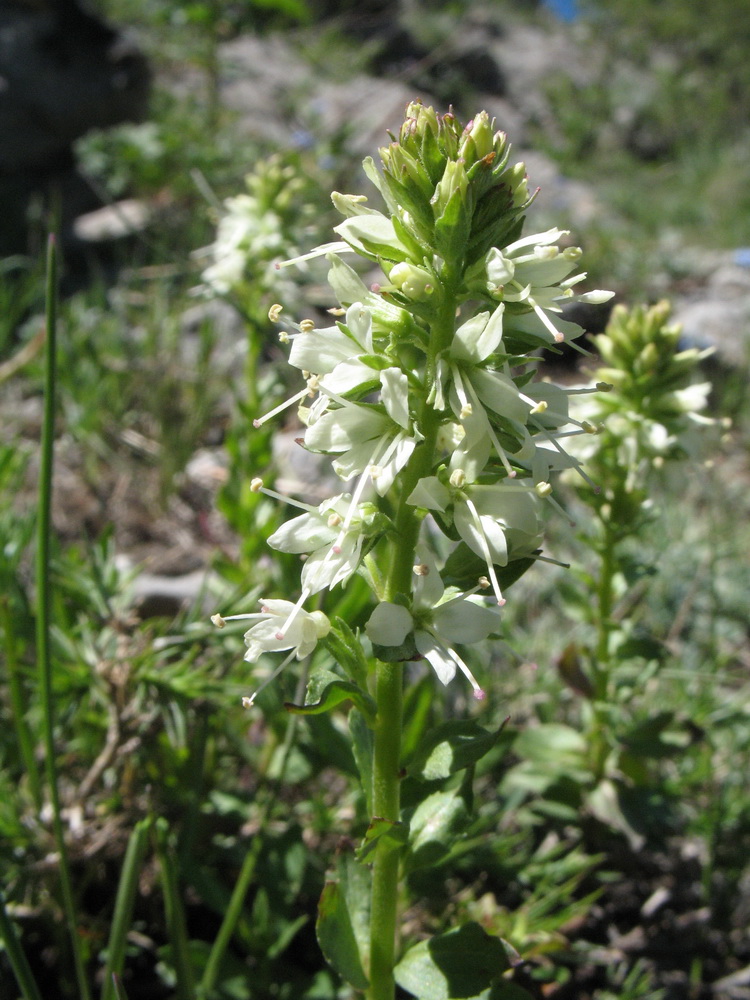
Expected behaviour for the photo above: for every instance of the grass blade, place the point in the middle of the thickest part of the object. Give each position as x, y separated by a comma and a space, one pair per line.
176, 928
124, 902
18, 961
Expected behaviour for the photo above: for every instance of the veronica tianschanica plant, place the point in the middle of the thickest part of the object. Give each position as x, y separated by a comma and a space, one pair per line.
422, 394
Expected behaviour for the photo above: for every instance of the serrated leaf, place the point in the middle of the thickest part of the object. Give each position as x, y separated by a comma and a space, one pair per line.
453, 966
382, 831
436, 823
342, 926
450, 747
333, 694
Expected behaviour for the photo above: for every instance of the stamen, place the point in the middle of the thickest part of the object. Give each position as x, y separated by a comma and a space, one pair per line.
555, 444
259, 421
293, 614
461, 393
256, 486
275, 312
486, 552
479, 694
509, 471
248, 702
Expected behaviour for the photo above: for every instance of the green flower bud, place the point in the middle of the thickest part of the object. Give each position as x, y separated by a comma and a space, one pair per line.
415, 282
454, 181
478, 139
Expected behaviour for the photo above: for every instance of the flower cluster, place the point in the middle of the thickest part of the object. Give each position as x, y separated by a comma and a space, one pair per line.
422, 391
651, 414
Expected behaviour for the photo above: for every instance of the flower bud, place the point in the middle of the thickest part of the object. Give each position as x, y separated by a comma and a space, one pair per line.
415, 282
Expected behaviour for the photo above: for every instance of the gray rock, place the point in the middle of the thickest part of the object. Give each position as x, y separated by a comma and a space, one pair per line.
718, 315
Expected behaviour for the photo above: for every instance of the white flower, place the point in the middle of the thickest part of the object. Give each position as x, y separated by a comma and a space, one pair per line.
280, 625
332, 534
378, 440
495, 521
440, 620
334, 353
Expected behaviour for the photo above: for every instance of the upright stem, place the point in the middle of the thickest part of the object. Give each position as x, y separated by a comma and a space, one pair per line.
43, 621
386, 805
389, 684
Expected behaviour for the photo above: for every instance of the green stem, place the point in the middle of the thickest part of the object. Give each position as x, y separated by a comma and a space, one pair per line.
389, 677
43, 618
386, 805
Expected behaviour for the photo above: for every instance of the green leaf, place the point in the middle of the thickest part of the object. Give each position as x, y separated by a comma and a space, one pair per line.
343, 924
450, 747
435, 824
603, 802
382, 831
558, 746
363, 748
346, 649
463, 567
404, 653
333, 693
460, 964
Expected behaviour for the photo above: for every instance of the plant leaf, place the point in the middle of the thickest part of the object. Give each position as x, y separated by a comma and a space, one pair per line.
342, 926
452, 966
450, 747
333, 694
436, 823
382, 831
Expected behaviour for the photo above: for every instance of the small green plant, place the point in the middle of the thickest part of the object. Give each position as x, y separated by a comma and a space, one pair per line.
651, 418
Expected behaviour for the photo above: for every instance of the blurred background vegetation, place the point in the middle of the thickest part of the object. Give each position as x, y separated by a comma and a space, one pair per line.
644, 895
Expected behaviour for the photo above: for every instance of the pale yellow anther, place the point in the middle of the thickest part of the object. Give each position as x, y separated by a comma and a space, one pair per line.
334, 519
274, 312
589, 427
307, 325
466, 411
283, 337
543, 489
458, 478
541, 406
483, 582
218, 621
421, 569
256, 485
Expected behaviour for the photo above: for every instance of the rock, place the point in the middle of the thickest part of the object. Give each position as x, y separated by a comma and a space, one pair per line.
63, 71
718, 315
156, 595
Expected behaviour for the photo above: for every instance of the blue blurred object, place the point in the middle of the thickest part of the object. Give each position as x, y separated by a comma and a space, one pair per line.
742, 257
566, 10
